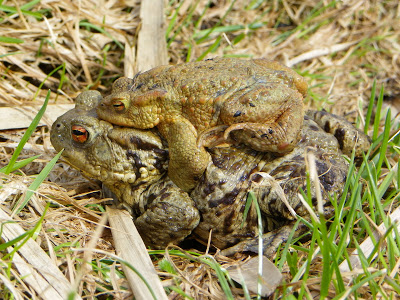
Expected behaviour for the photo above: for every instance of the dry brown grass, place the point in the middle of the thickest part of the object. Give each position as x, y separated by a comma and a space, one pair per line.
340, 49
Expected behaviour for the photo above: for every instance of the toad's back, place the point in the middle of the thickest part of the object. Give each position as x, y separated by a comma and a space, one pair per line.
221, 73
255, 102
198, 89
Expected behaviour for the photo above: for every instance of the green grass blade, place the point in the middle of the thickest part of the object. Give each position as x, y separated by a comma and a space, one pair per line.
10, 40
180, 292
247, 206
212, 48
203, 13
251, 197
27, 135
394, 284
20, 164
10, 243
220, 29
398, 174
48, 76
101, 30
372, 180
377, 115
370, 108
126, 263
285, 250
211, 30
173, 21
10, 53
140, 276
29, 5
384, 145
13, 10
105, 50
38, 180
358, 285
185, 22
209, 260
349, 224
189, 52
385, 184
27, 235
324, 243
319, 8
176, 253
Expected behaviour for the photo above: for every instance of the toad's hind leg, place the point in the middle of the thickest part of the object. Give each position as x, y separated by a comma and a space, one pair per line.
266, 117
187, 161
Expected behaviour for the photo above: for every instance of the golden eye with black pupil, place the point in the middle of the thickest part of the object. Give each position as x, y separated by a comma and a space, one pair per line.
118, 105
79, 134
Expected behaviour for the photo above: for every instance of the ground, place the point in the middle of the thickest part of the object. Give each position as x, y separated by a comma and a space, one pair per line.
340, 47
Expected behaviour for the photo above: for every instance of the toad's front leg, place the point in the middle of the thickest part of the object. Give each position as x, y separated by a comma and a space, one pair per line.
187, 160
265, 116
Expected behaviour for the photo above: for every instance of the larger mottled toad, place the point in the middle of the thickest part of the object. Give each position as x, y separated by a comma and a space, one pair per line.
133, 163
260, 102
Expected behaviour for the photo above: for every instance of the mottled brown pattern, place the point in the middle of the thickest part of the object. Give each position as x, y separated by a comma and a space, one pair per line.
259, 101
164, 213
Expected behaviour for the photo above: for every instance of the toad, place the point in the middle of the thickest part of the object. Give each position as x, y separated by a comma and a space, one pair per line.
133, 163
256, 102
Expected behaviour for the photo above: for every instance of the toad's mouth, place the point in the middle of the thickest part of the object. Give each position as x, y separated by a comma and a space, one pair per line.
98, 172
105, 175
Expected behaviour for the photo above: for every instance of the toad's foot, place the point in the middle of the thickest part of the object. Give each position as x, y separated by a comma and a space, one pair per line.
261, 137
187, 160
348, 136
213, 137
270, 241
266, 117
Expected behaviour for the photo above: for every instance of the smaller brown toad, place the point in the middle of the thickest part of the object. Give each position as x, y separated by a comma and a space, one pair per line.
258, 102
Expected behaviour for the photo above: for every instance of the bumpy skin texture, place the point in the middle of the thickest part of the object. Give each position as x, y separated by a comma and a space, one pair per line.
132, 163
220, 194
256, 102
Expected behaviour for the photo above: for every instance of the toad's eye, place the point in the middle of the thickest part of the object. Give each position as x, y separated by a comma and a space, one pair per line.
79, 134
118, 105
